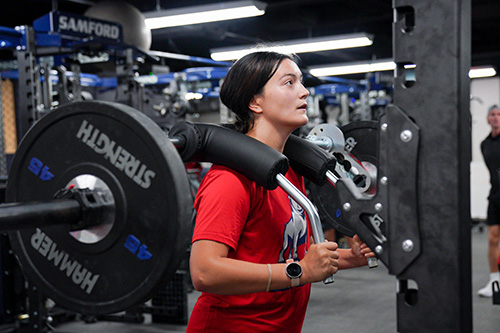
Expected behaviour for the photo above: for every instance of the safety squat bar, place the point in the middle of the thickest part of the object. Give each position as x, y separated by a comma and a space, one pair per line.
260, 163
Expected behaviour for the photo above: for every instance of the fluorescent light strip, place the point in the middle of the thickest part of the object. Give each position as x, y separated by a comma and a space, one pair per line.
476, 73
295, 48
354, 68
384, 65
171, 19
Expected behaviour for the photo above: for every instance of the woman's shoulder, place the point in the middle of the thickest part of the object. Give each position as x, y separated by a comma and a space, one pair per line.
221, 183
226, 176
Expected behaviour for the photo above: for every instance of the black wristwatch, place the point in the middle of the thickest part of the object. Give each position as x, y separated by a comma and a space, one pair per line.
293, 271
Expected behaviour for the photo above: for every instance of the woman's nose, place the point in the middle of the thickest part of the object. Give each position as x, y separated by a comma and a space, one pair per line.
304, 92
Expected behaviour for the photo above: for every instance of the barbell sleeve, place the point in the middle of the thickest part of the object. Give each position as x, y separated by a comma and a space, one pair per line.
78, 208
322, 142
39, 214
179, 142
332, 179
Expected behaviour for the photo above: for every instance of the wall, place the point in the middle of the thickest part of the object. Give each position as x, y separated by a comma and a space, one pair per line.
484, 93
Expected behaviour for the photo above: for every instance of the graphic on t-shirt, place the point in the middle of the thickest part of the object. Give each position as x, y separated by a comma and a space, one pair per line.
295, 233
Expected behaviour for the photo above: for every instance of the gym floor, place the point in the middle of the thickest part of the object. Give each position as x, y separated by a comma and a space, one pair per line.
360, 300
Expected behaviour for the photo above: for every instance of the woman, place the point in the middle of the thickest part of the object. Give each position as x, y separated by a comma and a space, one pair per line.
243, 241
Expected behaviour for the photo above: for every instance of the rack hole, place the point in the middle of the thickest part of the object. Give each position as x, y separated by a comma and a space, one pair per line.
407, 15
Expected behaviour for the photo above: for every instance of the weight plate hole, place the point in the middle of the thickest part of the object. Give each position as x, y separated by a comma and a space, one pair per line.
96, 233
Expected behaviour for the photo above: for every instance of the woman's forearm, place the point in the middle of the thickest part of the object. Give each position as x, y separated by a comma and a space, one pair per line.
225, 276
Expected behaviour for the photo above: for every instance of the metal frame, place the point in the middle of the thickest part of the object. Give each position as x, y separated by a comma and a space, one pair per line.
27, 92
3, 157
422, 202
438, 101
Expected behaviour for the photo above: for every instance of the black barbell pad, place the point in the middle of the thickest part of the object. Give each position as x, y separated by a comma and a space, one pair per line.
223, 146
309, 160
191, 136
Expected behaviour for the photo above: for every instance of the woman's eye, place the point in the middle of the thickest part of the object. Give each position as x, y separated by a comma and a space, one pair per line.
289, 82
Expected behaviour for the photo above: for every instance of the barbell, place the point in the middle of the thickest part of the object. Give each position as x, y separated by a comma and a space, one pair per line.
99, 206
129, 162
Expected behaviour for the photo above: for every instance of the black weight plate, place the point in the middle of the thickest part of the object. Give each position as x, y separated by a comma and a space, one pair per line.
151, 228
361, 140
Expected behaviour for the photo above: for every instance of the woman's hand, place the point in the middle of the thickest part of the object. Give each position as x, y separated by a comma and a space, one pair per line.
320, 261
360, 251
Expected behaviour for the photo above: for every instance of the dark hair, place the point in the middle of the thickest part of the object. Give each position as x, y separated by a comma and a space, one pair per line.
245, 79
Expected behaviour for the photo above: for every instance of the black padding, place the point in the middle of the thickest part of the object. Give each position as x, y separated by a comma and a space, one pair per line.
223, 146
192, 139
308, 159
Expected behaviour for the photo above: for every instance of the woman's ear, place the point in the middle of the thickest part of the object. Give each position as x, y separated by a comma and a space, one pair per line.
254, 105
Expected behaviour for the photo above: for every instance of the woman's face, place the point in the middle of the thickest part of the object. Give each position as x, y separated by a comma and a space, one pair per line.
283, 99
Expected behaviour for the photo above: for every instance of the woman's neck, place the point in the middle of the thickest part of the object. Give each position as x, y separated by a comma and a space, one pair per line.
271, 136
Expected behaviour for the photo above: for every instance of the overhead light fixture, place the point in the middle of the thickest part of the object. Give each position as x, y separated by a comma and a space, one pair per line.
478, 72
229, 10
296, 46
383, 65
354, 68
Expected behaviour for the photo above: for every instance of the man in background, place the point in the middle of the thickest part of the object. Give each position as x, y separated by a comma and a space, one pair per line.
490, 148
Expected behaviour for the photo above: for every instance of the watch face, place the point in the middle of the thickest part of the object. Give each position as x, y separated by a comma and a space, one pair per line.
294, 270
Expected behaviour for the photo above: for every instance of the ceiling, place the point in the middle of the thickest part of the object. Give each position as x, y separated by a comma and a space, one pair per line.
283, 20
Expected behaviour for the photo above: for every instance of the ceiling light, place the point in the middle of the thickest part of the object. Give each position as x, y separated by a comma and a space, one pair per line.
296, 46
354, 68
477, 72
202, 14
191, 95
383, 65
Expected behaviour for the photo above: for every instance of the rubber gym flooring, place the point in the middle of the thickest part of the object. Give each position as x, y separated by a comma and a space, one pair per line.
360, 300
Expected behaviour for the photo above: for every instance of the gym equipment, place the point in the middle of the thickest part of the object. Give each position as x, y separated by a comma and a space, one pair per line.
135, 31
257, 161
121, 155
101, 203
367, 213
69, 39
496, 293
435, 208
423, 183
316, 164
360, 141
421, 203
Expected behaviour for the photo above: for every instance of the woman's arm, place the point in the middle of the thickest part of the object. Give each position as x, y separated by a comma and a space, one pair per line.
212, 271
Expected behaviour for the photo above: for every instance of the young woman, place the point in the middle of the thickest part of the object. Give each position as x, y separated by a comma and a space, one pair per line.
252, 255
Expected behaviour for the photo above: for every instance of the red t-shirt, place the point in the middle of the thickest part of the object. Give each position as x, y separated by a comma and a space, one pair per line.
259, 226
